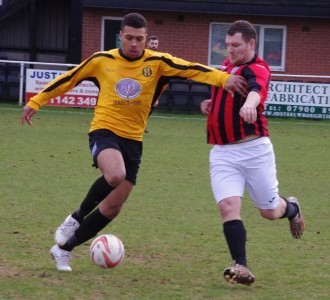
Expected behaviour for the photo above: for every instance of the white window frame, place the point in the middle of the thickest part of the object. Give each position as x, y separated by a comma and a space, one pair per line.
261, 39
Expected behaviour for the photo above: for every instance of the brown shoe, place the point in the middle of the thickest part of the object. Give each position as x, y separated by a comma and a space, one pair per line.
297, 224
238, 274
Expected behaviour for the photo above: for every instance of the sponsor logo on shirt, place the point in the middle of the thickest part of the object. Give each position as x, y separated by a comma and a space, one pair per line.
128, 88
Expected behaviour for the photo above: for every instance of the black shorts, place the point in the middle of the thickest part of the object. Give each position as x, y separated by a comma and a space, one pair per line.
131, 150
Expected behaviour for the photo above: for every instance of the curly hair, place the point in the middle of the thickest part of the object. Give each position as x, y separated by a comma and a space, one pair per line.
134, 20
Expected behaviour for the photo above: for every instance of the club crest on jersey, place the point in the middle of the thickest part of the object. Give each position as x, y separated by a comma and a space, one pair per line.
146, 72
128, 88
233, 71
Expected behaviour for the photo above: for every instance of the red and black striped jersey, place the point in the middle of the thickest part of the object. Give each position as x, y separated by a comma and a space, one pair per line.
224, 124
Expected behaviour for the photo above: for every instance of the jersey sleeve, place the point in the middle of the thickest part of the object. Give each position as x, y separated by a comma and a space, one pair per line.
258, 78
62, 84
173, 66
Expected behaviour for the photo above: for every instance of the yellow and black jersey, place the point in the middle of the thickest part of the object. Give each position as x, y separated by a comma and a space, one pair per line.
127, 87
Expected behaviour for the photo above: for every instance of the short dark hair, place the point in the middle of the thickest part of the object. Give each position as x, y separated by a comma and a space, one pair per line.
245, 28
134, 20
152, 38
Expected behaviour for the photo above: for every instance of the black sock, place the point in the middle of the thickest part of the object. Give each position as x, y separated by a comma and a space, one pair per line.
89, 228
98, 191
235, 234
290, 211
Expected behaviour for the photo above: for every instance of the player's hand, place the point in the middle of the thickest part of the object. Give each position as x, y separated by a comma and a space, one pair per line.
205, 106
27, 114
236, 84
249, 114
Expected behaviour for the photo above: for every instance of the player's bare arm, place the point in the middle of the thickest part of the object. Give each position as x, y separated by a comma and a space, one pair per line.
236, 84
249, 110
27, 114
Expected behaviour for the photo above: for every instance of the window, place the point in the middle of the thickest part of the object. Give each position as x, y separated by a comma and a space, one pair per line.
270, 45
110, 33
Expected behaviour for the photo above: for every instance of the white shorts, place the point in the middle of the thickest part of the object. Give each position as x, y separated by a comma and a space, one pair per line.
250, 164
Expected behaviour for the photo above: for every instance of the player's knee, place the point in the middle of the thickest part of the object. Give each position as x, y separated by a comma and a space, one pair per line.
230, 208
115, 179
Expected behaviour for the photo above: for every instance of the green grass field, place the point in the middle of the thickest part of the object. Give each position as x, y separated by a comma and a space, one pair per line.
170, 226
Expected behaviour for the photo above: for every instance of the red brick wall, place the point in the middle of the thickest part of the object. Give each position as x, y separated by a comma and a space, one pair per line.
308, 43
186, 35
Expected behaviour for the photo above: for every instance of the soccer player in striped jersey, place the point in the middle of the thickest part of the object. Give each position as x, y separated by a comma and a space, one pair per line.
243, 155
130, 80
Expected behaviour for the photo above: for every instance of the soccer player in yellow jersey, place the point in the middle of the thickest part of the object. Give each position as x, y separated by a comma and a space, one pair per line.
130, 80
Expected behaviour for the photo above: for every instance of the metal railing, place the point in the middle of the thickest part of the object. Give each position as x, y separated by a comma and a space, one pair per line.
22, 69
24, 63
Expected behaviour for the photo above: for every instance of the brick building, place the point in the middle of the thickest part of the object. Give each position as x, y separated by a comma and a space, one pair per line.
294, 35
299, 32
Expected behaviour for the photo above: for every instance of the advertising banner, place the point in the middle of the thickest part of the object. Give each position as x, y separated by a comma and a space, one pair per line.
298, 100
83, 95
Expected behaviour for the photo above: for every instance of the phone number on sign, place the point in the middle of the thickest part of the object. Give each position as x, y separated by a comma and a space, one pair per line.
74, 101
298, 109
